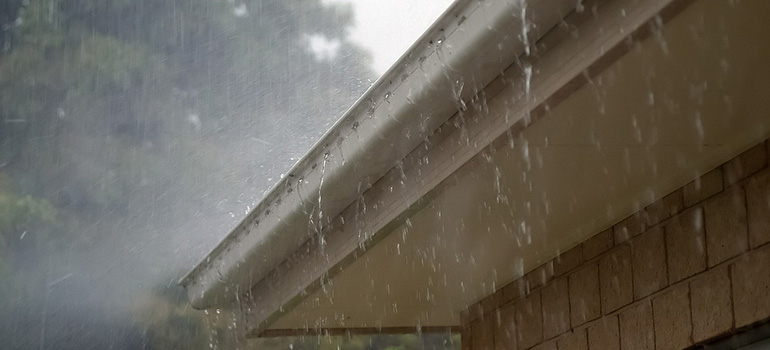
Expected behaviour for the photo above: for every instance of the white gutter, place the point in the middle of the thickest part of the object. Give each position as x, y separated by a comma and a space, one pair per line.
471, 44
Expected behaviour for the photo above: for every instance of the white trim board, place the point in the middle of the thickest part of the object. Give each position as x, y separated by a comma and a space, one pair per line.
470, 45
561, 69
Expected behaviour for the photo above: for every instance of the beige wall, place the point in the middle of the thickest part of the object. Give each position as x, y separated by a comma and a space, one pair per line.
688, 269
684, 100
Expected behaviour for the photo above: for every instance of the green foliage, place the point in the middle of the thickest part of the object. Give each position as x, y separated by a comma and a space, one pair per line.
19, 212
127, 122
18, 215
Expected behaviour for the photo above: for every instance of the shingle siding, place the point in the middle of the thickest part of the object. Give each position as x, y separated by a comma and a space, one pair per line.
692, 267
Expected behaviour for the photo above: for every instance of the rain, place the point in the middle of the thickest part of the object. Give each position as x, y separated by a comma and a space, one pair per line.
135, 135
368, 175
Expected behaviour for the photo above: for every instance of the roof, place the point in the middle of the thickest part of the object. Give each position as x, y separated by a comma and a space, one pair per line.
344, 198
459, 55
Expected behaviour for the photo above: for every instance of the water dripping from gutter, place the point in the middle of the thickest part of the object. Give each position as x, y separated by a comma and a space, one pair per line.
321, 240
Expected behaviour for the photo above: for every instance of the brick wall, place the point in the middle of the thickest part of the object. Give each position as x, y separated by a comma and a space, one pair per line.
688, 269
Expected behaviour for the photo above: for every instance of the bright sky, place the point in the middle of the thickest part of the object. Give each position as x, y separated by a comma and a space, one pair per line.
388, 28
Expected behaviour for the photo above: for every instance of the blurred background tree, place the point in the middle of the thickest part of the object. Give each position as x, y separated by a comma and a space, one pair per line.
133, 135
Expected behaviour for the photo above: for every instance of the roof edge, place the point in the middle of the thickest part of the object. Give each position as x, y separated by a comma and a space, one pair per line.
457, 57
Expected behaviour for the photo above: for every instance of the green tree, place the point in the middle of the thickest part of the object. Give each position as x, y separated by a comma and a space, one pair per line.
125, 125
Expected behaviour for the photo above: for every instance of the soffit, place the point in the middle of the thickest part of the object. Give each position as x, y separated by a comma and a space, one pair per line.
679, 104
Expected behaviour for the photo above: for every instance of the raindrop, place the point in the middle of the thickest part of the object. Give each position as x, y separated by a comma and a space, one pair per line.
580, 7
524, 28
527, 81
372, 106
699, 124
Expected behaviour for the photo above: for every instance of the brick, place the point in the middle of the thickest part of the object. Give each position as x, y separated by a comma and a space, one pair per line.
465, 332
567, 261
649, 263
671, 310
685, 244
704, 187
577, 340
615, 279
758, 200
465, 317
629, 227
584, 298
474, 312
481, 334
555, 300
637, 328
726, 226
540, 275
751, 287
665, 208
598, 244
747, 163
604, 334
505, 329
515, 290
529, 321
499, 298
712, 309
488, 304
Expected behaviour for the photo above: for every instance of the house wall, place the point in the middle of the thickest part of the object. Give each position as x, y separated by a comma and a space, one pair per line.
684, 99
686, 270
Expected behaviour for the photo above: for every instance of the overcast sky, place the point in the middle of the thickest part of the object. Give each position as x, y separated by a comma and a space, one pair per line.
388, 27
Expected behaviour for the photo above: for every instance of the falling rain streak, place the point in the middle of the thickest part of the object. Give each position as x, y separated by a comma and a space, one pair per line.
134, 135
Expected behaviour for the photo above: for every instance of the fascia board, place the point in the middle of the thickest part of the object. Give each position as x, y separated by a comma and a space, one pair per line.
470, 45
567, 64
